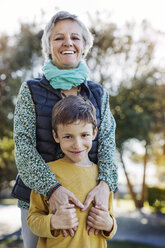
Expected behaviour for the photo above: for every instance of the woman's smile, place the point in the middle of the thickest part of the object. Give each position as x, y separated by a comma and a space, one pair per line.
66, 44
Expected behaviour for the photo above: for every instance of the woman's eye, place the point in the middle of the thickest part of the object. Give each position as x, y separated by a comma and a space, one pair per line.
75, 38
58, 38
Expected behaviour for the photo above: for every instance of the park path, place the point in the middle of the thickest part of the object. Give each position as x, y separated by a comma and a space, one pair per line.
10, 219
140, 226
136, 225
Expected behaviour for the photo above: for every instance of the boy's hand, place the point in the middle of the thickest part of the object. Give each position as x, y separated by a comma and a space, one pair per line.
100, 219
61, 197
65, 217
99, 196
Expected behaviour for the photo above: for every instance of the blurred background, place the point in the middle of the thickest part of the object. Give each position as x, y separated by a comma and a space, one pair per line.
128, 59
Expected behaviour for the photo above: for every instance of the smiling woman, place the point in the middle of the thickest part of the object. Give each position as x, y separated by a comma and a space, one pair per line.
66, 48
65, 42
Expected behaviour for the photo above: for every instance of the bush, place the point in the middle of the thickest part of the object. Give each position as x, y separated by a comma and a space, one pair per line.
156, 197
8, 170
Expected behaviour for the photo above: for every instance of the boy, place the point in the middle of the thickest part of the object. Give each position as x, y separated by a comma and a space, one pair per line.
74, 127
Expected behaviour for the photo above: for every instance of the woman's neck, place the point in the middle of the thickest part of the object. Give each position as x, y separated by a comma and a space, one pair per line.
72, 91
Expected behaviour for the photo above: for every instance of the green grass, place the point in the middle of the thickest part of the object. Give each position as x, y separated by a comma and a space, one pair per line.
8, 201
14, 243
126, 244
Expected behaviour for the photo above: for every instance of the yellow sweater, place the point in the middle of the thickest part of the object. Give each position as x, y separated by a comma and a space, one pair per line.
80, 181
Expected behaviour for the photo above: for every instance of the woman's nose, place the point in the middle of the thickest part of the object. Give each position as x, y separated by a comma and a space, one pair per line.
67, 42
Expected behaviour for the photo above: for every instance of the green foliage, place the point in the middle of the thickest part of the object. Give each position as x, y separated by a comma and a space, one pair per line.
127, 244
156, 197
19, 56
7, 163
27, 49
137, 112
124, 64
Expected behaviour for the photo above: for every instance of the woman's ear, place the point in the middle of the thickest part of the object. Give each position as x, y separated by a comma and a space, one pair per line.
55, 136
94, 133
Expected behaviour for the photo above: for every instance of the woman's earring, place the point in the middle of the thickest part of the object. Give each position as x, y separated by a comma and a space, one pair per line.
50, 56
83, 54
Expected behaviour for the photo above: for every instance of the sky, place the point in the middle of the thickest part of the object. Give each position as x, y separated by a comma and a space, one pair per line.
13, 11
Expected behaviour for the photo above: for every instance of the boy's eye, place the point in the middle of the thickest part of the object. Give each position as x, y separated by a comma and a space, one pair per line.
85, 135
67, 137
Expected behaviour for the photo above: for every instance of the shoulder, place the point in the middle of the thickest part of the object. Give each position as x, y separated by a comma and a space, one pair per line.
97, 92
23, 91
33, 81
95, 87
26, 87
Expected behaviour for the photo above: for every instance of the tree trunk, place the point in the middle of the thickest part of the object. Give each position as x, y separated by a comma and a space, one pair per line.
143, 191
133, 195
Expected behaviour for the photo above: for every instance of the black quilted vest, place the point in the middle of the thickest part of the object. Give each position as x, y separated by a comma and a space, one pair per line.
44, 98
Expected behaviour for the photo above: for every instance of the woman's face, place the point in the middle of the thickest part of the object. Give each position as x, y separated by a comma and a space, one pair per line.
66, 44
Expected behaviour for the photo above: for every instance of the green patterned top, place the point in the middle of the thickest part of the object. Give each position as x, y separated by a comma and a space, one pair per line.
33, 170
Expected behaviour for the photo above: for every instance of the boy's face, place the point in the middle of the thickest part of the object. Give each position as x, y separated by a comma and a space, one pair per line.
76, 141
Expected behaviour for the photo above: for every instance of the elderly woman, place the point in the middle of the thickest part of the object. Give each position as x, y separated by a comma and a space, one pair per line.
65, 42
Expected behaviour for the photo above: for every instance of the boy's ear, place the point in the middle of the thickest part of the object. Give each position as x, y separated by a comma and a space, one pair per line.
94, 133
55, 137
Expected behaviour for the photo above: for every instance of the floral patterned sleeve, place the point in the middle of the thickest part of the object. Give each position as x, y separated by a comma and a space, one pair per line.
106, 145
35, 173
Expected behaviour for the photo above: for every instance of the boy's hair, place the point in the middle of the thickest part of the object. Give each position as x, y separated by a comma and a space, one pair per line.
72, 109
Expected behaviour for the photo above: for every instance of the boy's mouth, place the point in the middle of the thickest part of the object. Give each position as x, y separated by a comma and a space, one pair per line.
76, 152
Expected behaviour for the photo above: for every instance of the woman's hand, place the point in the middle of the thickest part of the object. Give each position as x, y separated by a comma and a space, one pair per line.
100, 219
65, 217
99, 196
60, 197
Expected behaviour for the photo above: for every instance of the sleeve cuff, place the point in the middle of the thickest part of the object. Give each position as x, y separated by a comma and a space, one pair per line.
52, 189
111, 234
113, 187
51, 233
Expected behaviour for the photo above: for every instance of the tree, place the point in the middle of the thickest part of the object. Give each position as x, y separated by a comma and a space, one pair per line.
120, 57
136, 111
19, 55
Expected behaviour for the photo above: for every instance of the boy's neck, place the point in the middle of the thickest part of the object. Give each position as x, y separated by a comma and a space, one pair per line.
84, 163
89, 164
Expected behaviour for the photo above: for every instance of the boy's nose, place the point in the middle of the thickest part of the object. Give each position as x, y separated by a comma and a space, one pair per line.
77, 144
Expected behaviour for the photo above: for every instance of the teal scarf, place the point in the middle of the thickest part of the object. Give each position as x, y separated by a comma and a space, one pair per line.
65, 79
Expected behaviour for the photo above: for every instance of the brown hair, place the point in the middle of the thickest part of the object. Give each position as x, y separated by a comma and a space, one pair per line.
72, 109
